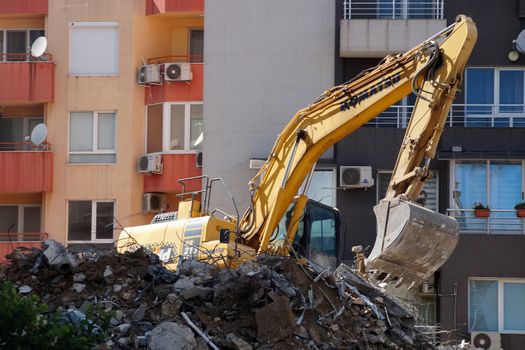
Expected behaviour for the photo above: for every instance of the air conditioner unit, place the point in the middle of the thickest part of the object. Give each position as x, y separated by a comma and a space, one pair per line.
150, 164
177, 72
198, 159
153, 203
148, 74
355, 176
486, 340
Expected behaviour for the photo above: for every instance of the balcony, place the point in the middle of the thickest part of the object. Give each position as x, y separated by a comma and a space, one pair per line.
460, 115
25, 79
154, 7
25, 168
376, 28
23, 7
500, 221
10, 241
177, 91
175, 166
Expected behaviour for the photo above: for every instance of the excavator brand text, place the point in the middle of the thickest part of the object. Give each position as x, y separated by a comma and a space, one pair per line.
353, 100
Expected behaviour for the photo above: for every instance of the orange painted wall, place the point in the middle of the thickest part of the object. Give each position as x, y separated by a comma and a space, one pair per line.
176, 166
178, 91
30, 7
176, 6
26, 172
27, 81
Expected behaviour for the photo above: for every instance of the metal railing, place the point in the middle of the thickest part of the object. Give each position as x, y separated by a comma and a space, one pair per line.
25, 146
22, 237
393, 9
500, 221
24, 57
460, 115
176, 59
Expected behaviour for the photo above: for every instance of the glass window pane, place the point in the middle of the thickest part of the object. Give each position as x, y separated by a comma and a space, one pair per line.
483, 313
93, 158
480, 96
505, 192
196, 45
105, 220
389, 8
322, 187
11, 130
16, 45
177, 127
2, 45
8, 218
34, 34
196, 127
31, 125
471, 180
511, 91
81, 131
322, 230
32, 219
106, 131
420, 9
79, 221
154, 129
514, 306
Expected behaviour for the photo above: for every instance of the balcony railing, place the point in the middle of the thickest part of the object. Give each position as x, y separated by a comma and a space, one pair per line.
393, 9
24, 57
500, 221
24, 147
460, 115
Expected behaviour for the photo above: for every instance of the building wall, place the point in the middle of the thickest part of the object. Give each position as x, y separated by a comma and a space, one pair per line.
262, 65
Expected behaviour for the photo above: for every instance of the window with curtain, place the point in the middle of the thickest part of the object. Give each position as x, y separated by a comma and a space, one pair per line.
94, 48
496, 183
92, 137
488, 296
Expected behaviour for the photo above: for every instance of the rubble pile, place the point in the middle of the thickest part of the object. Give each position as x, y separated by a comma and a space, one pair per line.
271, 303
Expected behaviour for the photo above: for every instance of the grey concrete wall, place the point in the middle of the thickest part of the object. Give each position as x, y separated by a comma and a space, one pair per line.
264, 60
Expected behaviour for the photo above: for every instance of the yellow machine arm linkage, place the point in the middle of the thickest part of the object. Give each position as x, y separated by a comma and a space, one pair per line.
433, 70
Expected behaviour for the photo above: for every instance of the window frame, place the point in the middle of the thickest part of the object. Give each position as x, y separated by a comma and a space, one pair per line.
166, 127
190, 30
3, 49
93, 221
452, 176
80, 24
20, 215
94, 140
501, 301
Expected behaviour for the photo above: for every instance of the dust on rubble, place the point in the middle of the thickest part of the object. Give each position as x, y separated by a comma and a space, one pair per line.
271, 303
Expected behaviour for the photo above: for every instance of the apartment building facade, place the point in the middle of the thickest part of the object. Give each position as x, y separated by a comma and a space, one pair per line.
480, 158
102, 115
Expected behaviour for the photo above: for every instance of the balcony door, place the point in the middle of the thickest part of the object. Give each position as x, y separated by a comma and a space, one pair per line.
14, 131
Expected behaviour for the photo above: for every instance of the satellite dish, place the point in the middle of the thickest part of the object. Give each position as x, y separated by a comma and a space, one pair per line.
39, 134
519, 43
39, 46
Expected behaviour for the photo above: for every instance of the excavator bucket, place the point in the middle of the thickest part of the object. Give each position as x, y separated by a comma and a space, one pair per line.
412, 241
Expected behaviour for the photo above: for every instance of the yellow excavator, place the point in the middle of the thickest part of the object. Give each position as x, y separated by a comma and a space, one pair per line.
412, 242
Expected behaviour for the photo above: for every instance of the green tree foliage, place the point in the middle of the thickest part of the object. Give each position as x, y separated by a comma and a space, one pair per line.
25, 323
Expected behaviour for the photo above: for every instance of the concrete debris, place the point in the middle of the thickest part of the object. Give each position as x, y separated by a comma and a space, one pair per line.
58, 257
171, 335
269, 303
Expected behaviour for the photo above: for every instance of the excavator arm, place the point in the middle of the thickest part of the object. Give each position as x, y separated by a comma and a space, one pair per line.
433, 71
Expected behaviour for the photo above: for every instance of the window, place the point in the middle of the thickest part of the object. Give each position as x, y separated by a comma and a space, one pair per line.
496, 183
196, 45
174, 127
92, 137
16, 130
431, 189
495, 92
94, 48
497, 305
16, 43
24, 218
90, 221
407, 9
